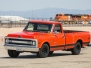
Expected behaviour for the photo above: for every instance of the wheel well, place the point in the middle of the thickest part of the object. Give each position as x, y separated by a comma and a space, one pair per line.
48, 44
80, 41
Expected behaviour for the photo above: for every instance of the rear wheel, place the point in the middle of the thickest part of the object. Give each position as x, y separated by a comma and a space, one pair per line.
44, 51
77, 48
13, 53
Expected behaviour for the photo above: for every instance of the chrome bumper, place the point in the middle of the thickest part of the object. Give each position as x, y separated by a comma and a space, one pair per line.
17, 48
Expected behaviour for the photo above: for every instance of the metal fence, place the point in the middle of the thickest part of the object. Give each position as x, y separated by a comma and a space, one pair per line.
10, 24
32, 18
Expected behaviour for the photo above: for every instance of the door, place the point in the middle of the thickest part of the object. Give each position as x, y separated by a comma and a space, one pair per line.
59, 41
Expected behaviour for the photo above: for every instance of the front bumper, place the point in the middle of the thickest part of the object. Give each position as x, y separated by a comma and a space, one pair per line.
17, 48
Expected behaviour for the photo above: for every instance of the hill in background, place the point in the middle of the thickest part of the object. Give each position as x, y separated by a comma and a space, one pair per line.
44, 13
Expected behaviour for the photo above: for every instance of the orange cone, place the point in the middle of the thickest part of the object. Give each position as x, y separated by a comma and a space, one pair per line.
2, 40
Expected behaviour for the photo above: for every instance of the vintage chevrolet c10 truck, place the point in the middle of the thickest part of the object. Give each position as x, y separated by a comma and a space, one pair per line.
45, 37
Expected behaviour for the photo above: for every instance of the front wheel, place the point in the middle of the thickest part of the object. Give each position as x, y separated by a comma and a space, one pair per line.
13, 53
44, 51
77, 48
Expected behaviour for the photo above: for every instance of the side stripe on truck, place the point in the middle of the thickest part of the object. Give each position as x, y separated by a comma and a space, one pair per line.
66, 45
62, 45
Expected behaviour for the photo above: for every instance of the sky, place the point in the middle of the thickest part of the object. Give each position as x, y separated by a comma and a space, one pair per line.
26, 5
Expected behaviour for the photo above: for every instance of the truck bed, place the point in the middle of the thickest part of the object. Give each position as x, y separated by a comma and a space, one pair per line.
72, 36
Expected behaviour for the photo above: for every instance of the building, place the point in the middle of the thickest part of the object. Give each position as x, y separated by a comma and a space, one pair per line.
13, 19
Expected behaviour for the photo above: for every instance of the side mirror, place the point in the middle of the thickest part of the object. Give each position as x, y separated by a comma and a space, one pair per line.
55, 31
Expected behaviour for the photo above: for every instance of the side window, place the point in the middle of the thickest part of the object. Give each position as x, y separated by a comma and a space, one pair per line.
57, 28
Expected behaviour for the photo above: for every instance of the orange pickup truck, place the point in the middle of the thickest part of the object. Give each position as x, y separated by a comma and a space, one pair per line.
45, 37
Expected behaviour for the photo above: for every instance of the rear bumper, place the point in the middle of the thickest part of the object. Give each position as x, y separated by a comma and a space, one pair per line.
17, 48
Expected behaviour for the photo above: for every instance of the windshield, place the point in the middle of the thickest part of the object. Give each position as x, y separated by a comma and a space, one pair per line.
38, 27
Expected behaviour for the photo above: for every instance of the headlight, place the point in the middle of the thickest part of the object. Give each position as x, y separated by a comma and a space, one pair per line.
32, 42
6, 40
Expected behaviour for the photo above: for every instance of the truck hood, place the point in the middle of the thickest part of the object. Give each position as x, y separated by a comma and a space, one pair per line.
25, 34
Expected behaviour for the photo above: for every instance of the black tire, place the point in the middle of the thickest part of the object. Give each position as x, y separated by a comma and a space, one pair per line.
77, 48
44, 51
51, 52
13, 53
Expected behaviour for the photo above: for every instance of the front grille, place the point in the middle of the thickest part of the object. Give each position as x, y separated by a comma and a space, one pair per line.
19, 39
17, 42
